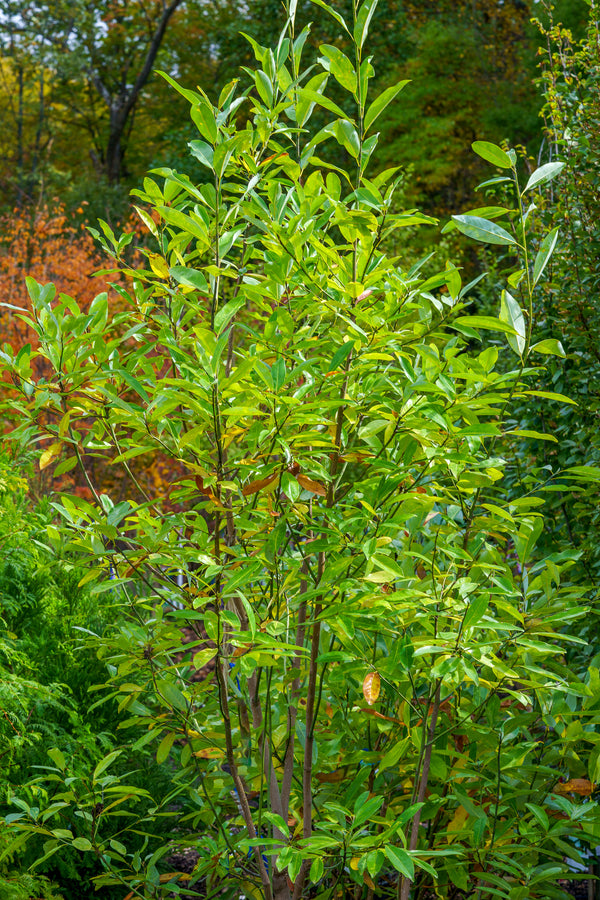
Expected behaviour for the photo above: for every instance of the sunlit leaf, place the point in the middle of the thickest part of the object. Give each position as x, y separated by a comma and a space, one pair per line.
371, 687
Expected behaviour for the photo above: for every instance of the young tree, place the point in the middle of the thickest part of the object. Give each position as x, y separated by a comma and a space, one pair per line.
387, 702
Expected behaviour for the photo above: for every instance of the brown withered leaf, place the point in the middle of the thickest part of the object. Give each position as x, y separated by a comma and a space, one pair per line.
332, 777
207, 491
580, 786
371, 687
254, 487
309, 485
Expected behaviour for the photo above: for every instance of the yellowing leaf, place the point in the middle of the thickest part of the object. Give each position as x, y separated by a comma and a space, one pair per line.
158, 265
458, 820
48, 455
371, 687
169, 876
210, 753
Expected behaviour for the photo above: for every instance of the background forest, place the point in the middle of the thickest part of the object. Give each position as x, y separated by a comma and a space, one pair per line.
460, 759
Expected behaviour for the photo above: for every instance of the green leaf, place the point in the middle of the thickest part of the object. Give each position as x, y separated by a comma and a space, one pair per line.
534, 435
544, 174
307, 96
587, 473
332, 12
336, 62
512, 314
380, 103
550, 395
340, 355
483, 230
492, 153
540, 814
544, 253
191, 96
401, 861
82, 843
204, 153
368, 809
204, 119
316, 870
488, 323
164, 748
189, 278
347, 135
172, 694
363, 20
58, 758
227, 312
550, 347
105, 763
393, 756
185, 223
526, 538
204, 656
476, 610
278, 374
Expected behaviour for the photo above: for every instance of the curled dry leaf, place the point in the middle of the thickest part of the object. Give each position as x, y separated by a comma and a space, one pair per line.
371, 687
309, 485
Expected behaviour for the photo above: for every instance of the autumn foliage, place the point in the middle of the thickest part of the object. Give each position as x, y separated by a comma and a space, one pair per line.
46, 245
53, 247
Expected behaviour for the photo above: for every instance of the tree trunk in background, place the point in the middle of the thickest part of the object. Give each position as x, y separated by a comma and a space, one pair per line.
121, 105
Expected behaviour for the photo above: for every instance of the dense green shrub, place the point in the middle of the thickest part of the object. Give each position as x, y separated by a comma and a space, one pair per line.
385, 703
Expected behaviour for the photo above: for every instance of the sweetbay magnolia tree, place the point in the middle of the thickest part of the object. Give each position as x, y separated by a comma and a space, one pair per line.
387, 699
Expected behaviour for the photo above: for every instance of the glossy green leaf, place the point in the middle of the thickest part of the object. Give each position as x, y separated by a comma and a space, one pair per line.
544, 174
104, 764
483, 230
488, 323
316, 870
333, 13
382, 102
512, 314
401, 860
476, 610
549, 346
363, 20
544, 254
336, 62
492, 153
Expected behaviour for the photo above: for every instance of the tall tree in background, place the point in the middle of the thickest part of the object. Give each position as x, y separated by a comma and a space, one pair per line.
100, 57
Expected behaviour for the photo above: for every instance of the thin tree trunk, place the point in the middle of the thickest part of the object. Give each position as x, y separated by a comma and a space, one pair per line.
20, 156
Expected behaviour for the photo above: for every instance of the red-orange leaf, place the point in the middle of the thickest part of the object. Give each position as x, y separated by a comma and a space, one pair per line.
371, 687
